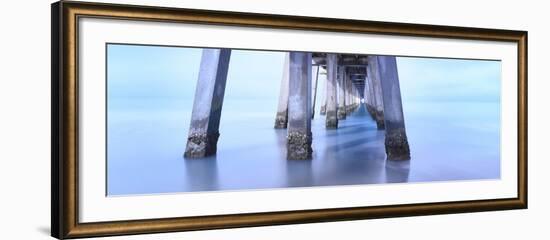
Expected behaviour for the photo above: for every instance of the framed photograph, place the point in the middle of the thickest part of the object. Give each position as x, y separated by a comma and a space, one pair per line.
168, 119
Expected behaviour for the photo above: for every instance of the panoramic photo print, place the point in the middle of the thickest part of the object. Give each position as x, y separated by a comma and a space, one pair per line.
188, 119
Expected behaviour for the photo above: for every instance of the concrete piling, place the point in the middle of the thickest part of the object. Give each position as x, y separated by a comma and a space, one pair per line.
397, 146
378, 107
350, 85
299, 136
332, 88
207, 106
342, 103
323, 109
370, 94
281, 119
315, 91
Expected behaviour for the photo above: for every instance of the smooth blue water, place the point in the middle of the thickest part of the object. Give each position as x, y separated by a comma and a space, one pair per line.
146, 140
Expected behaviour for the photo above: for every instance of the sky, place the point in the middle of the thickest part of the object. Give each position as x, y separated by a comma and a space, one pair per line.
171, 72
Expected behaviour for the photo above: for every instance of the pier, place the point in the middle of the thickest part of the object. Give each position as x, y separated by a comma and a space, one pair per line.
352, 81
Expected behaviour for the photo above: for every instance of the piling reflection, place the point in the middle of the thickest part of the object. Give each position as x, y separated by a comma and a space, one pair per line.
299, 173
397, 171
202, 174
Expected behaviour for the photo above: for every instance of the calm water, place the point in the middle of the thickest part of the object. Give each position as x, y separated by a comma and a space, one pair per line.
146, 140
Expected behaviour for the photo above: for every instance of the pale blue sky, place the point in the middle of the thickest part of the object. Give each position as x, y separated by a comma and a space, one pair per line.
171, 72
436, 79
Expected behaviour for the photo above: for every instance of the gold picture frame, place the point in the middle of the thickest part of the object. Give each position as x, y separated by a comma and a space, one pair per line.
65, 114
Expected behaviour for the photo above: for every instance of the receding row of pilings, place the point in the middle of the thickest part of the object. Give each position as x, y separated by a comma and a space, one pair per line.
350, 80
